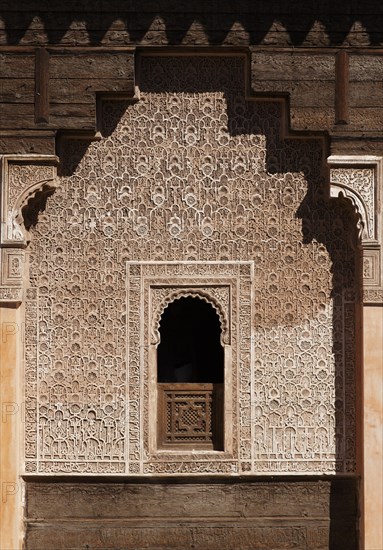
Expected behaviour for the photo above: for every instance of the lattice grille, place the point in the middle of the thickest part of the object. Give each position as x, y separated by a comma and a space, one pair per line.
187, 414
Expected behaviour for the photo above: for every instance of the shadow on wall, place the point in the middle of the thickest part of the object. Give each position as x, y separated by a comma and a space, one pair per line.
85, 22
330, 223
325, 243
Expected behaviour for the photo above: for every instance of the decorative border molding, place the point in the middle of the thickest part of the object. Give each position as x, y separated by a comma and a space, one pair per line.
151, 286
373, 297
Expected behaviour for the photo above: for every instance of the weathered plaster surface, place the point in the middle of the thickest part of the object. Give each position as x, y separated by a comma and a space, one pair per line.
10, 430
373, 427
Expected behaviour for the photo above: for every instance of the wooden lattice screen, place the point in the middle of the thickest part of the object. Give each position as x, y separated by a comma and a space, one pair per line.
190, 415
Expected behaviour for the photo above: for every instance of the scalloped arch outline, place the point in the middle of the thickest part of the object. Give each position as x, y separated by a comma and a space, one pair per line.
190, 293
342, 191
29, 193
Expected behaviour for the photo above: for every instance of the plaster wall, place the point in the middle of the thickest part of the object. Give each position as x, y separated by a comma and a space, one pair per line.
11, 426
373, 427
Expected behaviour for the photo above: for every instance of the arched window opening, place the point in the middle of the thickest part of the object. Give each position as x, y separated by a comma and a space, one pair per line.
190, 375
190, 348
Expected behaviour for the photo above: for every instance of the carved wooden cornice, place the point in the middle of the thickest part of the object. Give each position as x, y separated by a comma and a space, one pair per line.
50, 89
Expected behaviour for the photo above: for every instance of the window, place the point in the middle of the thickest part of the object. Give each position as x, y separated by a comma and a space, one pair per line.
217, 294
190, 376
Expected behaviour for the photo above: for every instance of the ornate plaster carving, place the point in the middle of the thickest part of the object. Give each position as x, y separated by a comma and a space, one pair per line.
24, 177
357, 185
360, 180
208, 294
373, 296
151, 286
191, 173
10, 295
26, 181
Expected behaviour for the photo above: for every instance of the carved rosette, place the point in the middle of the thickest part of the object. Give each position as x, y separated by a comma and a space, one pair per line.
26, 181
359, 180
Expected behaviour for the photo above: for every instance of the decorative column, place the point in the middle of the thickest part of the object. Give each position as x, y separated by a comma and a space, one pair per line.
359, 179
26, 181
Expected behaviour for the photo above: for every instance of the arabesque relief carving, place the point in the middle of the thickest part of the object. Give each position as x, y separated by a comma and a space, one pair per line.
151, 286
218, 297
191, 172
23, 178
26, 181
359, 180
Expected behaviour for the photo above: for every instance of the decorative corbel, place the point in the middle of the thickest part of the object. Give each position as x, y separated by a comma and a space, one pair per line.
26, 181
359, 180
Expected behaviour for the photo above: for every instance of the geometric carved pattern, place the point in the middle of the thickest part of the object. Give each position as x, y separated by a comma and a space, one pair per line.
151, 286
12, 260
24, 177
188, 414
358, 185
26, 180
192, 172
359, 179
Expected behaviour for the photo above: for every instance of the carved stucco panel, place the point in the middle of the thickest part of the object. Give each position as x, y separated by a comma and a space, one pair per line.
359, 179
150, 286
23, 177
358, 184
191, 172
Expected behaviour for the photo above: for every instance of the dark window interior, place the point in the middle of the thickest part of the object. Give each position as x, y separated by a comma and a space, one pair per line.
190, 348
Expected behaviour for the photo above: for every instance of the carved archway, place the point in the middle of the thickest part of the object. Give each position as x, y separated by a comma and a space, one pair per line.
202, 294
190, 377
27, 181
358, 179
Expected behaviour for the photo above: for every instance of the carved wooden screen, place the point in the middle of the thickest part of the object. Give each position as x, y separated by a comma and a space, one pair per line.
190, 415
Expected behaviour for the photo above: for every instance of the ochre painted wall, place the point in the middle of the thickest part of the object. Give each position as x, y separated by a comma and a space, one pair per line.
11, 426
373, 427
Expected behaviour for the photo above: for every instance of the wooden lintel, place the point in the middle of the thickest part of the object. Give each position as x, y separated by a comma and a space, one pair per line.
41, 86
342, 87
